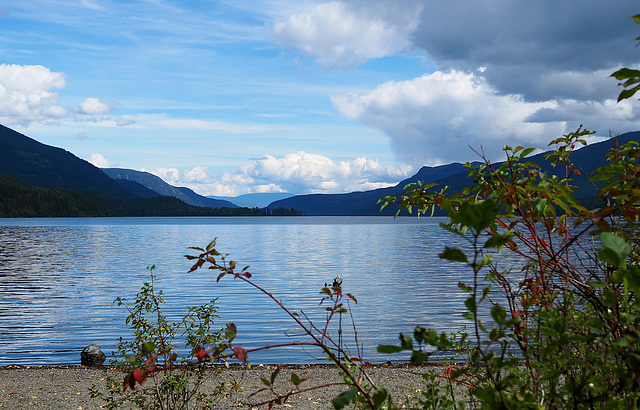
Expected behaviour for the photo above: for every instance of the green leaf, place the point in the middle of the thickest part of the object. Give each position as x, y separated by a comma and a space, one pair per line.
420, 334
470, 303
275, 374
379, 395
295, 379
498, 314
453, 254
526, 152
625, 73
633, 278
419, 357
406, 341
231, 331
387, 349
499, 241
615, 250
464, 287
148, 348
343, 399
597, 284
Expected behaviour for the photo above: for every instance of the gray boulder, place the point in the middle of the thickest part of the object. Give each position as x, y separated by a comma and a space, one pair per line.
92, 356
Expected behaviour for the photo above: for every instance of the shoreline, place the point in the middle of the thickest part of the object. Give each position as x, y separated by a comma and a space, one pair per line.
67, 387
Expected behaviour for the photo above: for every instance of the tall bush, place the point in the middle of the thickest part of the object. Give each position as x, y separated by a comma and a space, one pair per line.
562, 330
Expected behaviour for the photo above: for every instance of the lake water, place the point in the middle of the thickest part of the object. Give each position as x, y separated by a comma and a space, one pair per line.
59, 278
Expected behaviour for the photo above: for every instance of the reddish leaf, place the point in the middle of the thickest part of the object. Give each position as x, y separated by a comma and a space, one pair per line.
202, 355
138, 376
246, 275
220, 276
240, 353
129, 382
197, 265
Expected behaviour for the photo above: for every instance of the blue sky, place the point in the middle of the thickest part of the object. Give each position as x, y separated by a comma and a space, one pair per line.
229, 98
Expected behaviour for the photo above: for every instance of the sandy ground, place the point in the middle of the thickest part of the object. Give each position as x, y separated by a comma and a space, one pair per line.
47, 387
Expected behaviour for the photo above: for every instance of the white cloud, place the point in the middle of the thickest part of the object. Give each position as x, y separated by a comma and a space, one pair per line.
297, 173
26, 96
99, 161
92, 106
344, 34
432, 119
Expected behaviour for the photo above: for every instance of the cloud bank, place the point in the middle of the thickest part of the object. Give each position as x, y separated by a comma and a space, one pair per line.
507, 72
298, 173
433, 119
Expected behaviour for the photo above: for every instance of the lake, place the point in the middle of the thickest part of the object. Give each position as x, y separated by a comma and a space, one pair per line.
59, 279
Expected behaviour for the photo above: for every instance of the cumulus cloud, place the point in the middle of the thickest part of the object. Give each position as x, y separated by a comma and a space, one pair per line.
93, 106
432, 119
507, 72
297, 173
99, 161
344, 34
26, 96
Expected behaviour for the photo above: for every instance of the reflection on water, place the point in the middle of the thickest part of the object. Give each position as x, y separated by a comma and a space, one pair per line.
59, 278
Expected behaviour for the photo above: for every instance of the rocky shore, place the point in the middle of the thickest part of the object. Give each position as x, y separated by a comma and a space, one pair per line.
67, 387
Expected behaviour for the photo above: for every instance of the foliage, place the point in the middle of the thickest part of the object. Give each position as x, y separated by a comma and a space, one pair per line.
564, 331
630, 78
172, 378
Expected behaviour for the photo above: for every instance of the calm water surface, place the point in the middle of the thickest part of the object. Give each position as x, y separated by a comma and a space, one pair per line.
59, 278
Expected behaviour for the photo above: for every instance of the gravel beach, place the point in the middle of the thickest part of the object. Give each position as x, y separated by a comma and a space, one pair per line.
47, 387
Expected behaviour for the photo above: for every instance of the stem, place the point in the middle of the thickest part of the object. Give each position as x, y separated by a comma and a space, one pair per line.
318, 342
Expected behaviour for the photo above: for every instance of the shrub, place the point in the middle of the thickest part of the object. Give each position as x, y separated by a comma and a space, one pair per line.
564, 331
156, 373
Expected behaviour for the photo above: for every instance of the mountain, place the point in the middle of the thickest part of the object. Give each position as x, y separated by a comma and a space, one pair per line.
364, 202
157, 185
38, 180
258, 200
586, 159
44, 166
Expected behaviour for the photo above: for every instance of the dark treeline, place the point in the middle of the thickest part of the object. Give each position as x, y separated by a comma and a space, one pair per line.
20, 200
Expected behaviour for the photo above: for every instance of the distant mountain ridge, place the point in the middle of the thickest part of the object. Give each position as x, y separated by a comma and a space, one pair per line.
587, 159
140, 193
157, 185
44, 166
259, 200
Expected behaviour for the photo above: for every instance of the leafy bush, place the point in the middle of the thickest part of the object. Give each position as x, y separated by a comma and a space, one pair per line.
156, 374
564, 331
